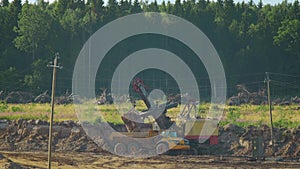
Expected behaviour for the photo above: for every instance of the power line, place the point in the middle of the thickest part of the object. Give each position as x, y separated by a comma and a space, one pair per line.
284, 89
287, 75
285, 84
243, 75
258, 82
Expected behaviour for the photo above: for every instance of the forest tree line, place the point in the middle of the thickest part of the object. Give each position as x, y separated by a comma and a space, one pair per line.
250, 38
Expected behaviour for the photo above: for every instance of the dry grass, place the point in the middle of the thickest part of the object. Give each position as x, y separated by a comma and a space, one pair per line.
283, 116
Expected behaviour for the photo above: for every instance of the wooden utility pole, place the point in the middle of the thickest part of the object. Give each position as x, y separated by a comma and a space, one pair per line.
270, 109
55, 66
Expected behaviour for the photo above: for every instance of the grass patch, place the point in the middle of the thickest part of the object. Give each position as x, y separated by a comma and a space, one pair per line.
15, 116
244, 115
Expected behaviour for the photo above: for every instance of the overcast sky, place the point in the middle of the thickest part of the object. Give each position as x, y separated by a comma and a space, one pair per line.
159, 1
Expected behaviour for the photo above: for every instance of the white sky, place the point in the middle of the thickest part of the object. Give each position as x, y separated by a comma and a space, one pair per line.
159, 1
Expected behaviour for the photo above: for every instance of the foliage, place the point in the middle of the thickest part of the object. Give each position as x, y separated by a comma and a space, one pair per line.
9, 79
288, 35
249, 37
16, 109
33, 28
233, 116
3, 107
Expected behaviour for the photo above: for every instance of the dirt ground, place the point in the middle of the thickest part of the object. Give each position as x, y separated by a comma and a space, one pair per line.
23, 144
107, 161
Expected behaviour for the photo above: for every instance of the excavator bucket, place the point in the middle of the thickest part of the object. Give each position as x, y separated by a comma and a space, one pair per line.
134, 123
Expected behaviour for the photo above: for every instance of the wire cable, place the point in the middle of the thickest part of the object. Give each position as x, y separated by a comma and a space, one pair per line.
287, 75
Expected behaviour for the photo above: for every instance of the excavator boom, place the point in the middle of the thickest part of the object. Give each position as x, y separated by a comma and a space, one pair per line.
157, 112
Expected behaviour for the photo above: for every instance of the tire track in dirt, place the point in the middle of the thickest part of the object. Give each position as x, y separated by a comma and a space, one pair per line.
92, 160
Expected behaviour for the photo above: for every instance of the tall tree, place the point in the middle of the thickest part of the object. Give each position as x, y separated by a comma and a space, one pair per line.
33, 28
4, 3
178, 9
153, 7
112, 10
136, 8
288, 36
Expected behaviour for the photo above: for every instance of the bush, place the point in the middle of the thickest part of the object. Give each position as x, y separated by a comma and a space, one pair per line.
16, 109
233, 116
3, 107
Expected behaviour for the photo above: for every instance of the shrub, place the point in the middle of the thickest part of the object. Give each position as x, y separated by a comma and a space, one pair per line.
3, 107
16, 109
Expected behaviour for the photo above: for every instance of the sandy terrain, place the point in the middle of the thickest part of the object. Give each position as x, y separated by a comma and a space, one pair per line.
23, 144
105, 160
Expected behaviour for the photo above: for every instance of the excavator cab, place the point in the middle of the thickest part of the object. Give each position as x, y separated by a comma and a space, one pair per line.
169, 134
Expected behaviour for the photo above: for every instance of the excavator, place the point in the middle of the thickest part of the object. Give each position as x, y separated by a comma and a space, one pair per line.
164, 135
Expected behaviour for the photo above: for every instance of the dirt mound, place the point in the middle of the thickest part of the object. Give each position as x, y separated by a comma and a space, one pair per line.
238, 141
19, 97
105, 98
32, 135
22, 135
8, 164
27, 97
43, 98
286, 101
258, 98
246, 97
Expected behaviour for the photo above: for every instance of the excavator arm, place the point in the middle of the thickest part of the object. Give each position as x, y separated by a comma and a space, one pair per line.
157, 112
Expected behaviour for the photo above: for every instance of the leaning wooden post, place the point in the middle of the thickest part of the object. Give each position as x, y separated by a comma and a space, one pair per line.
270, 109
55, 66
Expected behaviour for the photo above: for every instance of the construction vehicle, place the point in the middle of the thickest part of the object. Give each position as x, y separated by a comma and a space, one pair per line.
192, 126
165, 135
152, 142
189, 124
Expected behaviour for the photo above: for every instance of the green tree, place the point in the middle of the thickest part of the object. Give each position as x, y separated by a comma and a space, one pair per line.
112, 10
72, 21
162, 7
10, 79
16, 7
288, 36
125, 7
33, 28
169, 7
4, 3
178, 9
153, 7
136, 8
249, 38
60, 7
39, 75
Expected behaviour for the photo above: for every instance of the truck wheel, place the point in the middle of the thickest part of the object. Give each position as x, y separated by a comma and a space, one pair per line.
133, 148
120, 148
106, 147
162, 148
184, 152
193, 151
